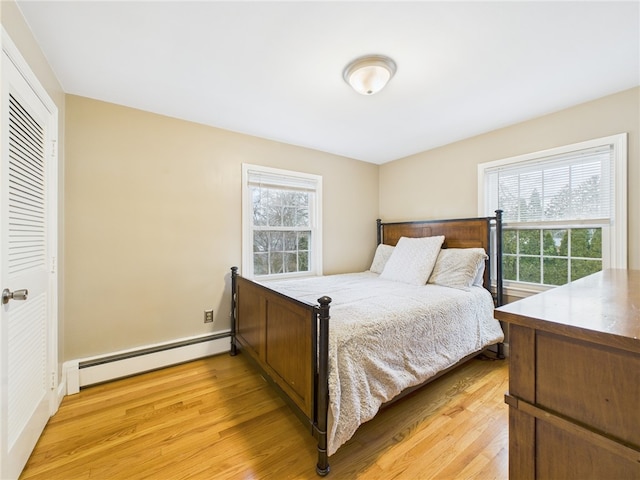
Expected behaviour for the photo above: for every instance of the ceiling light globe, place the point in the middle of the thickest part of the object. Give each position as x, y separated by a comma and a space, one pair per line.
368, 75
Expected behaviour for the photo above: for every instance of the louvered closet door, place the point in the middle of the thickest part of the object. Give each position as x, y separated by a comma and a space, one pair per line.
25, 400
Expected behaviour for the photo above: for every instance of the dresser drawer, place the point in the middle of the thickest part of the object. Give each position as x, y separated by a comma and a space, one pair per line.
564, 455
591, 384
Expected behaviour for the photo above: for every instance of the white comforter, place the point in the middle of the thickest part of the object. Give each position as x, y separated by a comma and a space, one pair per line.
386, 336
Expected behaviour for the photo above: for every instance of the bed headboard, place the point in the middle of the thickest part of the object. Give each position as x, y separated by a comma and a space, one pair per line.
458, 233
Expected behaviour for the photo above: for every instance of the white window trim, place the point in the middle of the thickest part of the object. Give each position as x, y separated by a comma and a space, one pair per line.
614, 252
247, 231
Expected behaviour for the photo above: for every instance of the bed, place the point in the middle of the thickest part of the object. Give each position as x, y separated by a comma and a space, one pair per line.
424, 307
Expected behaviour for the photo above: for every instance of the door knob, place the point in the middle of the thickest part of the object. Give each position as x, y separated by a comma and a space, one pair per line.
17, 295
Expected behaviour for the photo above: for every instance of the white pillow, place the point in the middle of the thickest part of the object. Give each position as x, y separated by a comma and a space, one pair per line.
458, 267
383, 252
479, 280
412, 260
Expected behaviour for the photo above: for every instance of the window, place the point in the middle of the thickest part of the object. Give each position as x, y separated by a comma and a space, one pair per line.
564, 211
281, 223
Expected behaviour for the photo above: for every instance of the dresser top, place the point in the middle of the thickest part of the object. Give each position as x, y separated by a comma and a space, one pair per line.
602, 308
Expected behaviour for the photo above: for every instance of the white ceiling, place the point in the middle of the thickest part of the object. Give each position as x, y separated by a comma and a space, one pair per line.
274, 69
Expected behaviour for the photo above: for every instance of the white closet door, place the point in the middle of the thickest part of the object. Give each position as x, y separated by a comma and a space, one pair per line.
26, 190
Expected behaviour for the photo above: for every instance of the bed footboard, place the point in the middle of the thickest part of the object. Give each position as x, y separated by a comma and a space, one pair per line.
288, 340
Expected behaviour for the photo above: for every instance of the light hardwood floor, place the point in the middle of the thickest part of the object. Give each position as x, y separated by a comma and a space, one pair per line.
216, 418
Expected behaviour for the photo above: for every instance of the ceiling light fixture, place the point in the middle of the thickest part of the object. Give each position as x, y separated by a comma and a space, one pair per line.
368, 75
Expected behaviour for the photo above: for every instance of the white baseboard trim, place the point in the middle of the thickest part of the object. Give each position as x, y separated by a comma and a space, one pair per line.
89, 371
60, 392
71, 376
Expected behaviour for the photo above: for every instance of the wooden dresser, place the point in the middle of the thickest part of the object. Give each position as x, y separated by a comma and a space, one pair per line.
574, 380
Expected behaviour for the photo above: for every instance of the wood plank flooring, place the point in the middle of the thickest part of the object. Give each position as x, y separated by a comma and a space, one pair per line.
217, 418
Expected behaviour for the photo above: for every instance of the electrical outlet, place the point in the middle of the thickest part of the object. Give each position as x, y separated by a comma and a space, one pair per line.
208, 316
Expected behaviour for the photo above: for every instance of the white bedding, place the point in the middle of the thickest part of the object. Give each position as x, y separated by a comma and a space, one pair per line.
386, 336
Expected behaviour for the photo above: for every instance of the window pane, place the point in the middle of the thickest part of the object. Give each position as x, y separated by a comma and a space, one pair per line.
290, 241
261, 263
557, 193
508, 197
303, 240
276, 261
529, 201
586, 242
260, 201
586, 194
275, 197
582, 268
529, 242
290, 262
556, 271
260, 216
302, 199
276, 241
530, 269
274, 214
509, 271
549, 246
288, 216
554, 243
510, 242
302, 217
260, 241
303, 261
288, 197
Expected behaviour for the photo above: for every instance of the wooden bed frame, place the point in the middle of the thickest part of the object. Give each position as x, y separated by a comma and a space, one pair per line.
288, 340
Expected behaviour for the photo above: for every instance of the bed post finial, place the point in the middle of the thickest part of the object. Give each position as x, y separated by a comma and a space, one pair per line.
322, 467
234, 275
324, 301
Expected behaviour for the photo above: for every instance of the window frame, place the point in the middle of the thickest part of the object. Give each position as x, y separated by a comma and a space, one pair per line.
289, 178
614, 236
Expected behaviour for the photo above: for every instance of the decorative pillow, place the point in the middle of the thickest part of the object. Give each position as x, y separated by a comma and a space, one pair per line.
479, 280
383, 252
412, 260
458, 267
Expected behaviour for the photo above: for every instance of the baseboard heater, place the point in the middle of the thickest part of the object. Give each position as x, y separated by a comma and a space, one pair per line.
90, 371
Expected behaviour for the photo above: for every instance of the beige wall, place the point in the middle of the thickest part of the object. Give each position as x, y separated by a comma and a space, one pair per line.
153, 222
442, 183
15, 26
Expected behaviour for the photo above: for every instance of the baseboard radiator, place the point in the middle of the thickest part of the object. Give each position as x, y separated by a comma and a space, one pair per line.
94, 370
